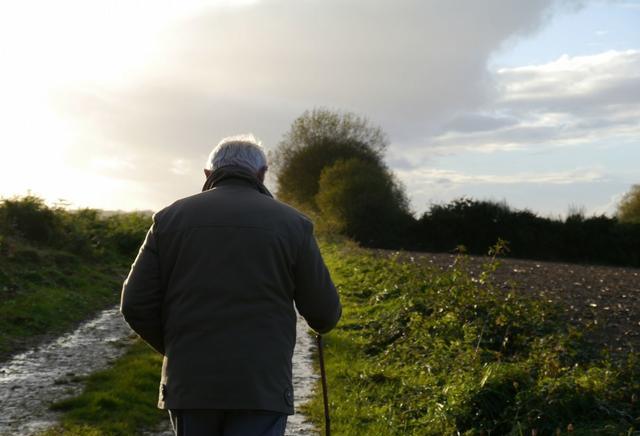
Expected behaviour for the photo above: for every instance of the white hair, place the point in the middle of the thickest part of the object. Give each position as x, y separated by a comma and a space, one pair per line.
240, 150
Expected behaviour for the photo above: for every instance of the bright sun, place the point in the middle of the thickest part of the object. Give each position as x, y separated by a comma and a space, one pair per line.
48, 48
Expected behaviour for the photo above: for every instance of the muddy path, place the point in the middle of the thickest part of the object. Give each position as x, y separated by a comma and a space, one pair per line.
304, 380
32, 380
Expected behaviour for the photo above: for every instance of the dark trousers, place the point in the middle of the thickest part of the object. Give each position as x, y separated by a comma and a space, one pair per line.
192, 422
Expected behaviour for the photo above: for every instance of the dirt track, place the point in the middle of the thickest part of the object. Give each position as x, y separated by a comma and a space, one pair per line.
607, 299
32, 380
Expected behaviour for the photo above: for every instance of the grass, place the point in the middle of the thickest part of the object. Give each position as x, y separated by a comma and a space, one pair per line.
419, 352
117, 401
47, 291
424, 352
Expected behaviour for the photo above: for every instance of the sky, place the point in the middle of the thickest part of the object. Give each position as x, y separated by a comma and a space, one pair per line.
116, 105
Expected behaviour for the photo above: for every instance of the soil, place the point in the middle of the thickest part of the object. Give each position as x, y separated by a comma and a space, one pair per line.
24, 344
32, 380
603, 301
56, 369
304, 380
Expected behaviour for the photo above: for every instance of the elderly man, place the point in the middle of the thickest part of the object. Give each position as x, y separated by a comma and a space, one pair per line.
213, 290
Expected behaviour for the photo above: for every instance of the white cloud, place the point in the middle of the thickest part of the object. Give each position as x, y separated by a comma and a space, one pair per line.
451, 177
111, 164
568, 78
181, 167
567, 102
419, 69
408, 65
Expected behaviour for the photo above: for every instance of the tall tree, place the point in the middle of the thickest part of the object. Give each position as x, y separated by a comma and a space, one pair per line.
317, 139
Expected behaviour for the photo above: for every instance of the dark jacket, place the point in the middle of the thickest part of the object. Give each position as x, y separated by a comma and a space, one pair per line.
213, 289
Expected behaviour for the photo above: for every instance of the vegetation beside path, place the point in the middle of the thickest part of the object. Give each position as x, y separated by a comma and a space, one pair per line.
120, 400
58, 267
420, 351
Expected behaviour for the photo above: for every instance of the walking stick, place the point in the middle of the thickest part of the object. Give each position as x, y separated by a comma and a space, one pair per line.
325, 395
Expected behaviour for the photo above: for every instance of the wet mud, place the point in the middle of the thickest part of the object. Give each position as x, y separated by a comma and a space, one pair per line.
304, 379
31, 381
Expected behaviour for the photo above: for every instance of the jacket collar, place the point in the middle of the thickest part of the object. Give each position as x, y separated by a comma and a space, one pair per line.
233, 172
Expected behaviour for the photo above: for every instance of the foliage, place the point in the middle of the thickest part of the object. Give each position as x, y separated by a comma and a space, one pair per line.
86, 231
57, 266
426, 352
317, 139
353, 191
44, 291
328, 162
477, 224
28, 217
629, 207
126, 231
419, 352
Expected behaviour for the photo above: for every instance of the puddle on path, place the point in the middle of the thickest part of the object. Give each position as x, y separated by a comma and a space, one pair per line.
31, 381
304, 379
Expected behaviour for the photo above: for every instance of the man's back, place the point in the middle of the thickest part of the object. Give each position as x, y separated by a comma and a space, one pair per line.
225, 266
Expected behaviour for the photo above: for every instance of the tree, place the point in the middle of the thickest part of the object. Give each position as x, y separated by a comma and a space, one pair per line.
364, 201
317, 139
629, 206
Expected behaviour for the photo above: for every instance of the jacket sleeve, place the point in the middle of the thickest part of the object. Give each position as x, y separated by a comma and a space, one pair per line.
316, 297
142, 294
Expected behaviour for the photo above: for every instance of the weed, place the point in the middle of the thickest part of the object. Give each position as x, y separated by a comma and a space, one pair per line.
419, 352
425, 352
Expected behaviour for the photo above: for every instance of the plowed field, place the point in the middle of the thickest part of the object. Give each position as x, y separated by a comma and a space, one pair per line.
603, 301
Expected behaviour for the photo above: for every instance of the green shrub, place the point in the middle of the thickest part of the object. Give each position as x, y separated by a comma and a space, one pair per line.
363, 201
28, 217
426, 352
127, 231
86, 232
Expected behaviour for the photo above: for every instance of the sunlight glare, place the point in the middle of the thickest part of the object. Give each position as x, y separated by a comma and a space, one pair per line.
48, 48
